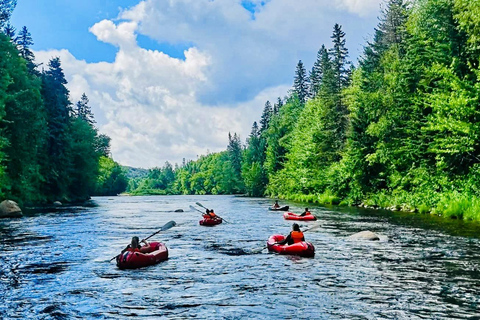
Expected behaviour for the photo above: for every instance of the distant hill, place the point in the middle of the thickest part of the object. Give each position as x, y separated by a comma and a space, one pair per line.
133, 173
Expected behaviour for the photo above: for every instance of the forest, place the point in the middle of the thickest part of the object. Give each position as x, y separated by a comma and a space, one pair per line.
50, 149
397, 130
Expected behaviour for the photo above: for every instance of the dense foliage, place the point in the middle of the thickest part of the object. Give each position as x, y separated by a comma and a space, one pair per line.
401, 130
49, 150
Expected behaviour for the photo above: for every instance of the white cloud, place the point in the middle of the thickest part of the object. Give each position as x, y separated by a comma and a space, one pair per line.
158, 108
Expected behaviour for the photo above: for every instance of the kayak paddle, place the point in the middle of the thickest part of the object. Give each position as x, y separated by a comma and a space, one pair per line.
166, 226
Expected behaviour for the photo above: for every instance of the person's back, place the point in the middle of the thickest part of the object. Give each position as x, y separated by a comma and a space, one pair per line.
294, 236
212, 214
276, 205
306, 212
135, 246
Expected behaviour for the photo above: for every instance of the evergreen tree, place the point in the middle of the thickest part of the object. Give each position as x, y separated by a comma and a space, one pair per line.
10, 31
392, 24
234, 151
57, 103
6, 9
339, 54
23, 126
277, 106
24, 42
266, 116
300, 84
83, 110
316, 75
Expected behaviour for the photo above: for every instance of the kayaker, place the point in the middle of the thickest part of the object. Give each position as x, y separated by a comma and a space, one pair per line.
276, 205
210, 214
305, 212
294, 236
135, 246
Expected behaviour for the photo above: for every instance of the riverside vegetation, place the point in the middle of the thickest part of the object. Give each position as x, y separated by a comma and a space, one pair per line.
401, 130
49, 148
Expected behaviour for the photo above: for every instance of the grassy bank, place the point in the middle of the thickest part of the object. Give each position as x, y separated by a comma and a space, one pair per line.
453, 205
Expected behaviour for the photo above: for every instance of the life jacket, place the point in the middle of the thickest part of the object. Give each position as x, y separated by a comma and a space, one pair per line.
307, 213
297, 236
133, 249
212, 215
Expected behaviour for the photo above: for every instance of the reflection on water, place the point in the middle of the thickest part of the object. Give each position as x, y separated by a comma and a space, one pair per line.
55, 265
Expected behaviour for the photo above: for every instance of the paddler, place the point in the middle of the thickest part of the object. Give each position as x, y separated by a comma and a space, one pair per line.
294, 236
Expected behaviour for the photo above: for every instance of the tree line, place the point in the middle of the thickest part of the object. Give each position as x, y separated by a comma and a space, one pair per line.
50, 148
401, 130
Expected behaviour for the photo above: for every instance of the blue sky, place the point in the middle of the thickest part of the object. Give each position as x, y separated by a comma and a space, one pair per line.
169, 79
56, 24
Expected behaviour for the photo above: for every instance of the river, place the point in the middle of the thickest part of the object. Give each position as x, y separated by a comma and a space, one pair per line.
55, 265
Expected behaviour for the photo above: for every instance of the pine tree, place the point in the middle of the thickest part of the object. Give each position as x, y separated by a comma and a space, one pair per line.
234, 151
392, 23
266, 116
300, 84
6, 9
57, 104
24, 41
83, 110
10, 31
339, 54
277, 106
316, 75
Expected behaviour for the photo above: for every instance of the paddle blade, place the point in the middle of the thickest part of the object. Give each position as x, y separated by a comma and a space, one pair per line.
313, 227
200, 205
168, 225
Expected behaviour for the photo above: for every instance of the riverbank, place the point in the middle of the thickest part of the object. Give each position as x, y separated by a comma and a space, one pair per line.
452, 205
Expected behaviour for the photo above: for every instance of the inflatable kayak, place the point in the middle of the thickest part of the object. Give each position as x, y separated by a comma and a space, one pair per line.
210, 221
131, 260
293, 216
303, 249
284, 208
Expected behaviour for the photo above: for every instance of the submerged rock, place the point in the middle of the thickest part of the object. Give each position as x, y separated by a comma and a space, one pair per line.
179, 210
364, 235
10, 209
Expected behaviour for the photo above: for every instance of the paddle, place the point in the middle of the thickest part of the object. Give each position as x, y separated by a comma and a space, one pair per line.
166, 226
264, 247
201, 205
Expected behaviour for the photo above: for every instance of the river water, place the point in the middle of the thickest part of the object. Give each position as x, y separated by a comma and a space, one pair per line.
56, 265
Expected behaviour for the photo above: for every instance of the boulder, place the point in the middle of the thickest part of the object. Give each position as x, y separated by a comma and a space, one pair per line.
364, 235
10, 209
179, 210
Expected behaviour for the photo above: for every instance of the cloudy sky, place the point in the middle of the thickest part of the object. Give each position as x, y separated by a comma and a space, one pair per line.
169, 79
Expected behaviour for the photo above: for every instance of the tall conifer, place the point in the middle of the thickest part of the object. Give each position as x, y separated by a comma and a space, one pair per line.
300, 84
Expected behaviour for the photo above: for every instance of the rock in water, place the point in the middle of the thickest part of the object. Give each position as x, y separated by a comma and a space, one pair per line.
179, 210
57, 204
10, 209
364, 235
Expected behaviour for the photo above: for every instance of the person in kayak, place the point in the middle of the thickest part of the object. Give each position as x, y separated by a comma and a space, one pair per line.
276, 205
305, 212
210, 214
294, 236
135, 246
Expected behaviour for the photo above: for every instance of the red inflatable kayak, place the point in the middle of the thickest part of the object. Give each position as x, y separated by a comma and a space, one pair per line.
132, 260
210, 221
304, 249
293, 216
